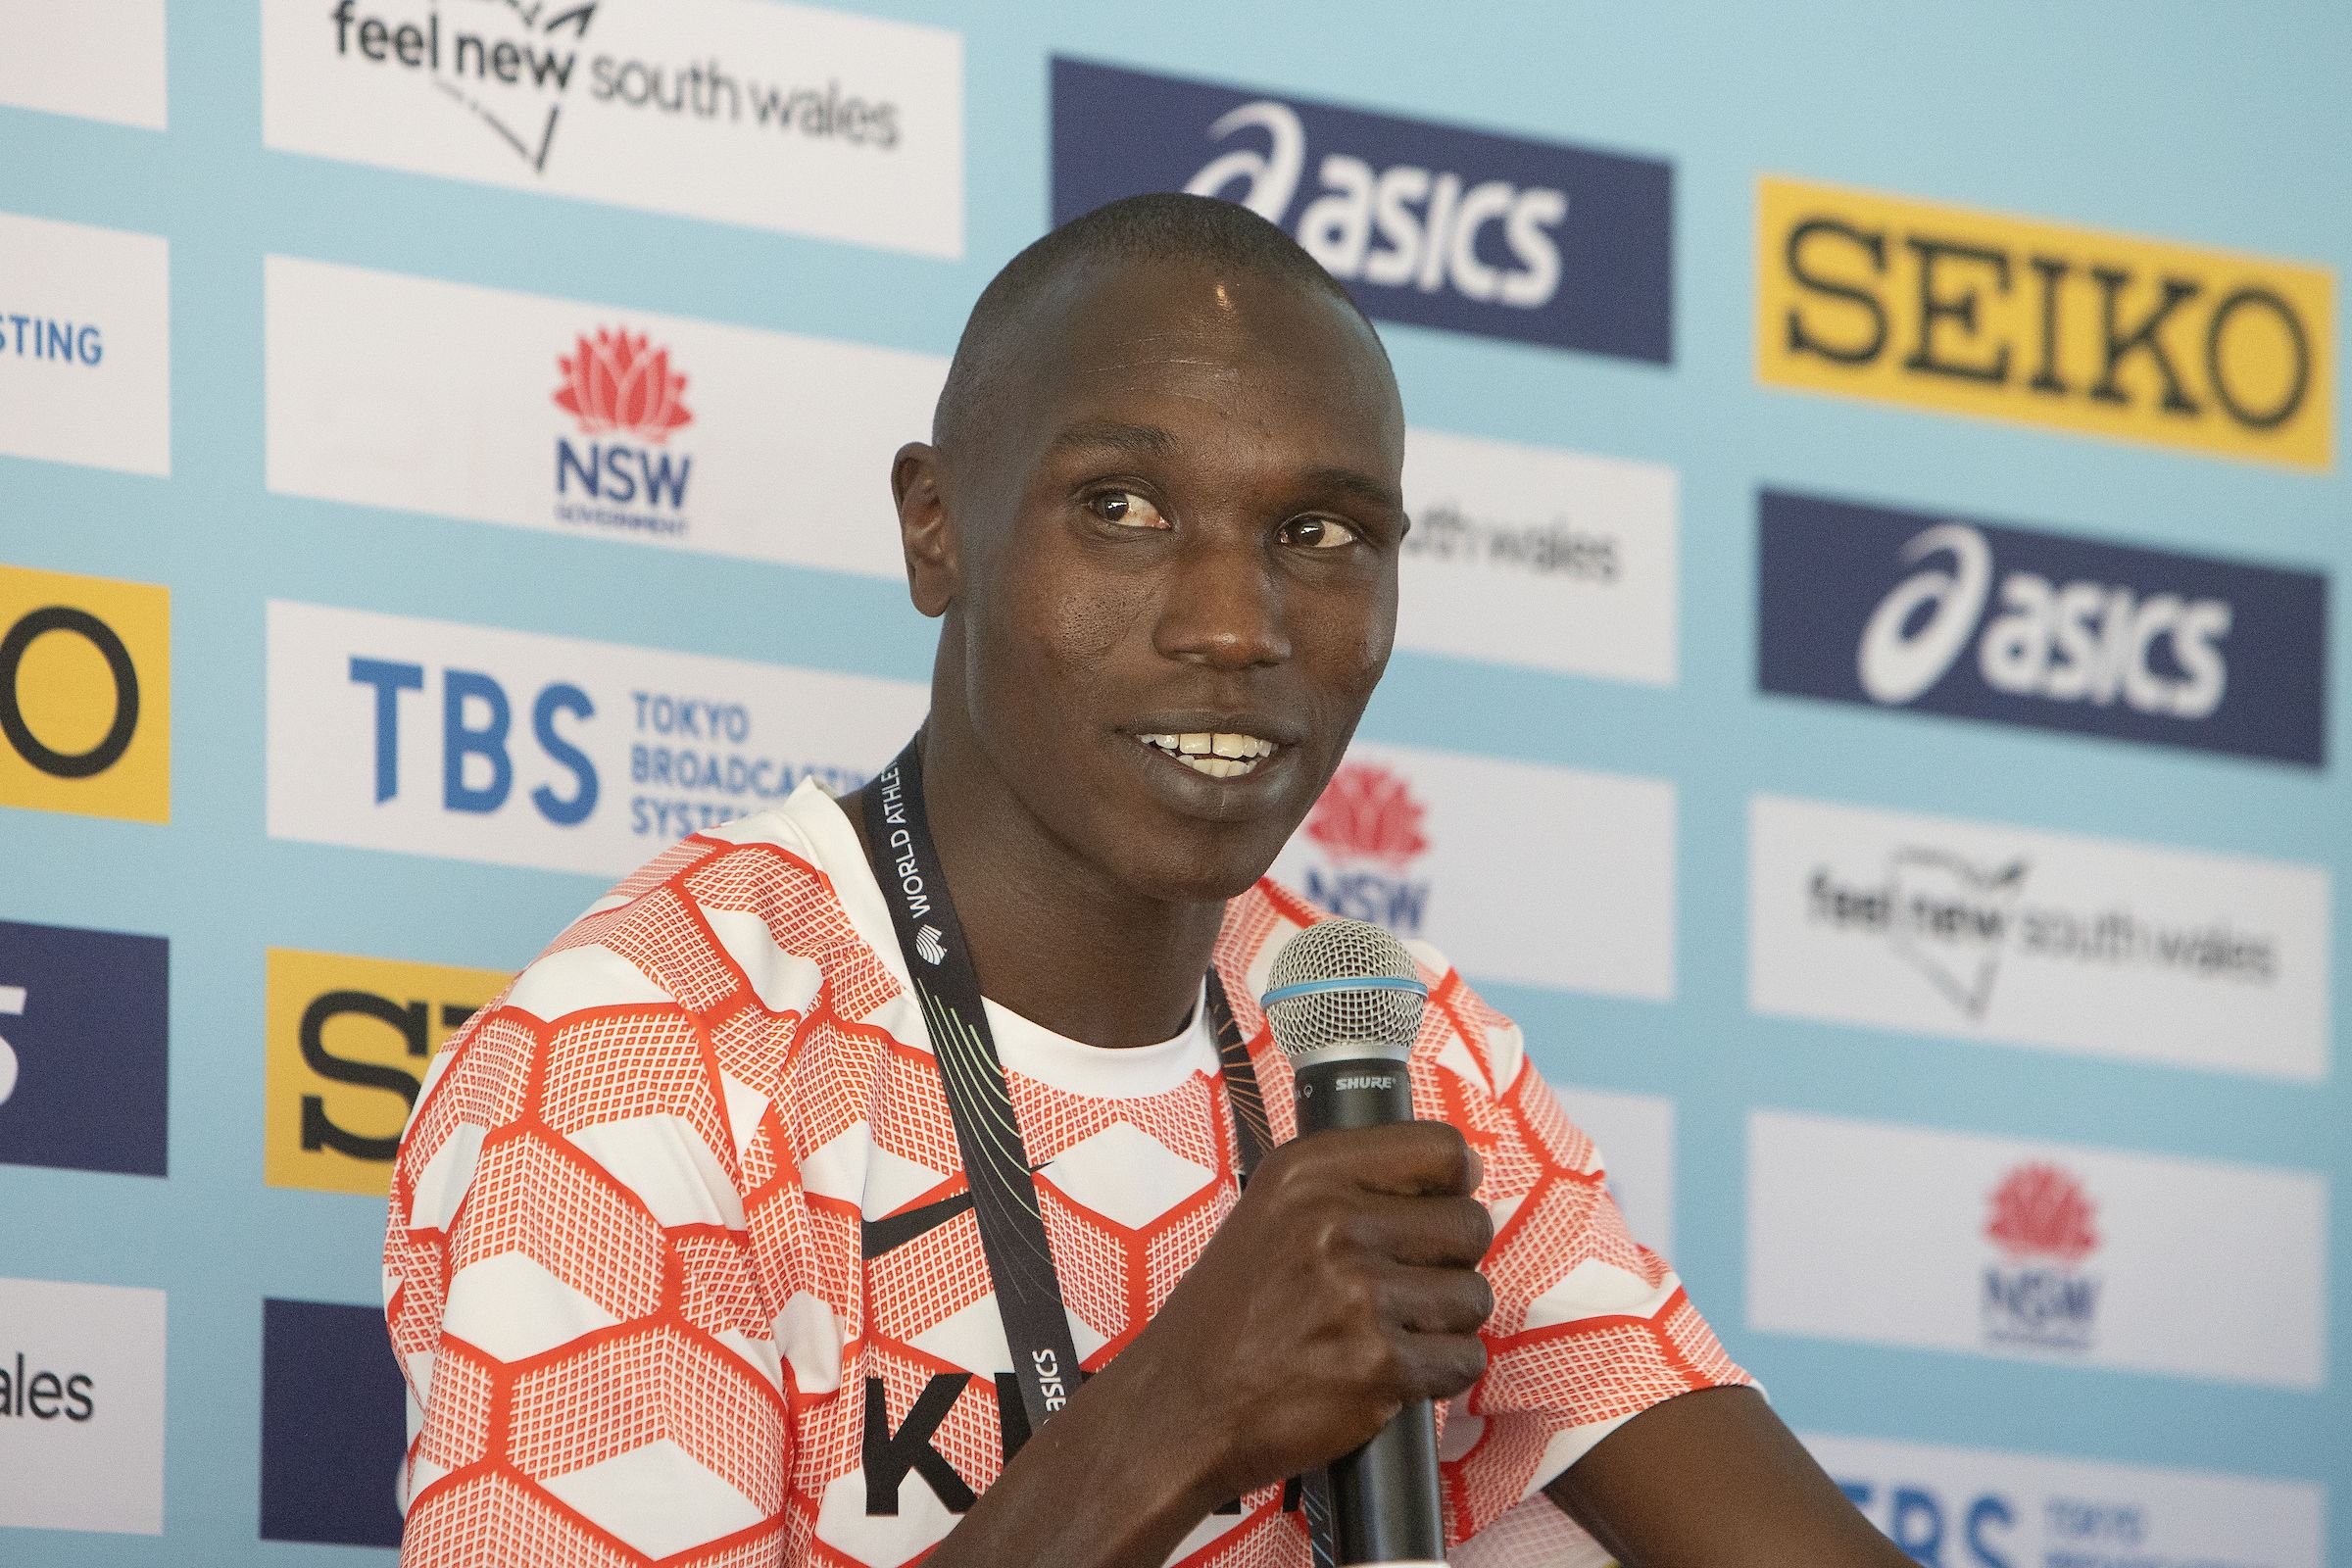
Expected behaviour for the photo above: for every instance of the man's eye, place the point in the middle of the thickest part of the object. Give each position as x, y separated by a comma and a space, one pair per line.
1316, 533
1125, 509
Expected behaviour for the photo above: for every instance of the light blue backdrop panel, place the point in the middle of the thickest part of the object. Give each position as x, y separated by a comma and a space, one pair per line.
2226, 126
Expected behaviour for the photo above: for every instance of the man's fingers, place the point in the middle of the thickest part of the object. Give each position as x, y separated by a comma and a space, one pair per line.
1440, 1366
1436, 1300
1407, 1158
1425, 1232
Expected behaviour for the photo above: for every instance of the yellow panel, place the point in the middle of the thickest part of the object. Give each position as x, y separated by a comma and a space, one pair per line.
349, 1040
1967, 312
86, 695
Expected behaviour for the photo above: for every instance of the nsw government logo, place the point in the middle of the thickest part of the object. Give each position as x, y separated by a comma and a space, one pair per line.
2037, 1293
626, 402
1427, 223
1368, 829
1890, 608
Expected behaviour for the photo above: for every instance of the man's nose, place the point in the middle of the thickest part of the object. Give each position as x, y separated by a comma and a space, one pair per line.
1224, 606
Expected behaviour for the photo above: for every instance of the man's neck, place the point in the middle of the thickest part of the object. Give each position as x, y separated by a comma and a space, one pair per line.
1054, 939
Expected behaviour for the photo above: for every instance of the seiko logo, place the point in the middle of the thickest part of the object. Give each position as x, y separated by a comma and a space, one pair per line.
2023, 320
2083, 641
1427, 222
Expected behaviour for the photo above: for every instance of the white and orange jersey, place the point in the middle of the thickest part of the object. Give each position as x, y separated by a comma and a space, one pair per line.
681, 1266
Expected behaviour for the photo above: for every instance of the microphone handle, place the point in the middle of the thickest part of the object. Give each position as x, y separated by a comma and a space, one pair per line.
1384, 1494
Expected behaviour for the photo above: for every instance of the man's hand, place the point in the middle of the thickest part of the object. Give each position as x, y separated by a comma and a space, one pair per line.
1343, 1285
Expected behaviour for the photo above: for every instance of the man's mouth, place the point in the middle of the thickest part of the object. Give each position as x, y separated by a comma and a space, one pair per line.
1217, 753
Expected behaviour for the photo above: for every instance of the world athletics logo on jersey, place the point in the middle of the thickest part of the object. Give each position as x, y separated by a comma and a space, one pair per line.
1890, 608
1427, 223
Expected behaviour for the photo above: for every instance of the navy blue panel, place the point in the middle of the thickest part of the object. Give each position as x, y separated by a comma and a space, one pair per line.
90, 1050
333, 1425
2061, 633
1589, 233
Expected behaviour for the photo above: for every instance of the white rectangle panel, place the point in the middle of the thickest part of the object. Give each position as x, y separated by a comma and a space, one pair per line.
1898, 1235
1550, 876
98, 59
1523, 555
779, 117
393, 733
1983, 1507
86, 344
1990, 932
81, 1407
405, 392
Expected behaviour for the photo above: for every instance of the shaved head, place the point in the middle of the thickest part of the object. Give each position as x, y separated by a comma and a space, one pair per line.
1160, 226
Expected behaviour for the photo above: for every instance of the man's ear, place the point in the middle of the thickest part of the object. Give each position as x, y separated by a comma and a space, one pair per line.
926, 533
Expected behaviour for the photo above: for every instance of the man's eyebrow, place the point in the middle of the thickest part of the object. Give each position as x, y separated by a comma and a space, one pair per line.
1092, 435
1358, 483
1150, 440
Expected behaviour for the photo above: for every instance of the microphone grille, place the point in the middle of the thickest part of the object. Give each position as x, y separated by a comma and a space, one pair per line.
1311, 1003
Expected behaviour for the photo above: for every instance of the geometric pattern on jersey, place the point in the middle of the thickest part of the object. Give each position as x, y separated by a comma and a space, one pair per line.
680, 1266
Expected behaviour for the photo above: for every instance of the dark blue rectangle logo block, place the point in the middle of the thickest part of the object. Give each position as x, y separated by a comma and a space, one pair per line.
334, 1425
1889, 609
1427, 223
84, 1049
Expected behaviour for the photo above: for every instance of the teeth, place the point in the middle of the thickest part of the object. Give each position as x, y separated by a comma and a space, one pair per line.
1218, 754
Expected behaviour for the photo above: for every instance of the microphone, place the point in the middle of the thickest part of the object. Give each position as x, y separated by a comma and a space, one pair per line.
1345, 1004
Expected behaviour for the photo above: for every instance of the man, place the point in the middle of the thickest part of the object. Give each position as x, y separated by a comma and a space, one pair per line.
682, 1263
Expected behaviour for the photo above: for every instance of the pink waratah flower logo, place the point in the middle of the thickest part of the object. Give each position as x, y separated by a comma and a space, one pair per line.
617, 383
2041, 1211
1368, 812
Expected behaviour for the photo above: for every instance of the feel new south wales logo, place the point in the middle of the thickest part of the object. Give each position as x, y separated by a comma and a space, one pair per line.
625, 402
514, 67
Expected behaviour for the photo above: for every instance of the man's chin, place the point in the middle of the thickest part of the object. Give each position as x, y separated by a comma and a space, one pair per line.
1203, 867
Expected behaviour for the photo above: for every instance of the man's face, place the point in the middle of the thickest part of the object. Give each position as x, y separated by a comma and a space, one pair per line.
1177, 530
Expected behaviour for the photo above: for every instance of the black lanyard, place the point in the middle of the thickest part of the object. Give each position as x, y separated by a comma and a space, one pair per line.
987, 1132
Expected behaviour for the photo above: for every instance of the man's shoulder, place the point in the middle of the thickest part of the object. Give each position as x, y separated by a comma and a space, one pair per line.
1462, 1033
742, 907
681, 986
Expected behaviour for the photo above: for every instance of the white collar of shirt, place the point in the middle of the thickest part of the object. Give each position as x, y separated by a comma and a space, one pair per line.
1029, 1048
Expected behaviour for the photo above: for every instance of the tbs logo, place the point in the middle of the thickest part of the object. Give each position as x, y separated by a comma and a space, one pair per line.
2037, 1295
478, 724
1888, 608
1424, 222
627, 400
1367, 824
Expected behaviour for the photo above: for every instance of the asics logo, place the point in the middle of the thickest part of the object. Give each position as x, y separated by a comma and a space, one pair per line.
2076, 642
1405, 225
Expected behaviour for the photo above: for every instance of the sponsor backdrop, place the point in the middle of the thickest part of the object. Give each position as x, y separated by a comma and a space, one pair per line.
1870, 693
